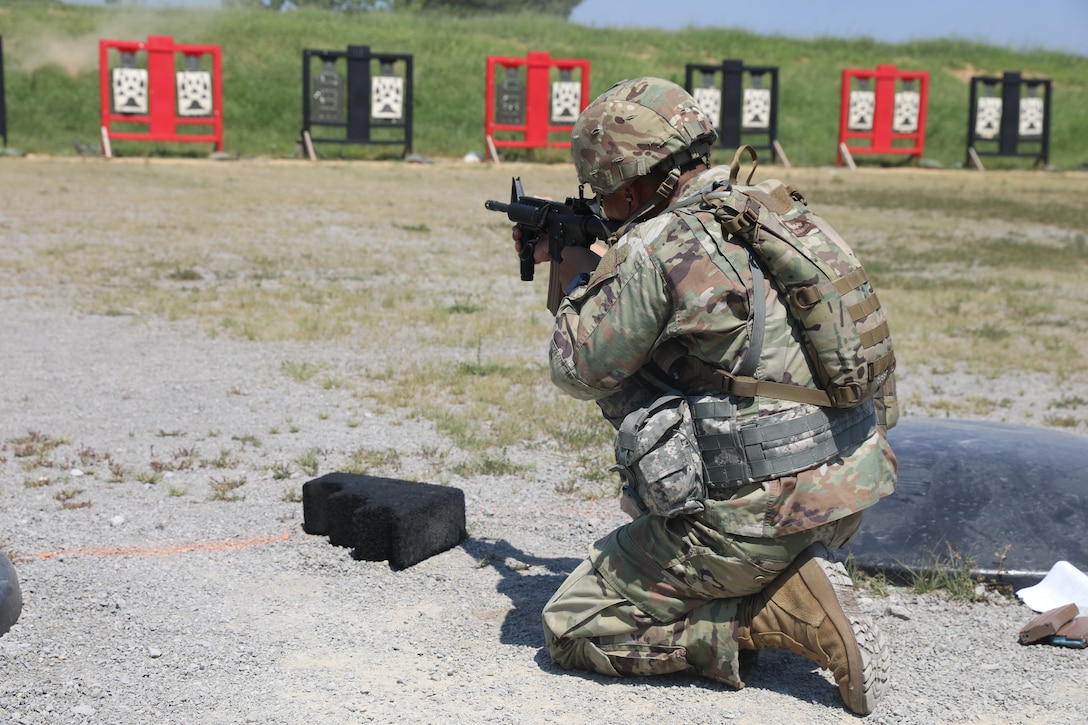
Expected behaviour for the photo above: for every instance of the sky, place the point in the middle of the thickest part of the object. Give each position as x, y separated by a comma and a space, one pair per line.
1016, 24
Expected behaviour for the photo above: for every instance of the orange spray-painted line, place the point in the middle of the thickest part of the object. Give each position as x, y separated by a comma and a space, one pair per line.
167, 550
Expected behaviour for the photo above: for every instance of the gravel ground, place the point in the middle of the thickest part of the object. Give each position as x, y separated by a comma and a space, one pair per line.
145, 607
166, 577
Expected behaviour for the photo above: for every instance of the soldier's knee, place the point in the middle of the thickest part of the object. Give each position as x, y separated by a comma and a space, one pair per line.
576, 653
628, 659
564, 651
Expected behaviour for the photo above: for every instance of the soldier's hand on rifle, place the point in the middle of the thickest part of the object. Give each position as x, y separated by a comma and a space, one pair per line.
540, 242
576, 261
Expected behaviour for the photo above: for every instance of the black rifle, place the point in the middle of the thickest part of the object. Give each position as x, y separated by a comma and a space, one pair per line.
573, 223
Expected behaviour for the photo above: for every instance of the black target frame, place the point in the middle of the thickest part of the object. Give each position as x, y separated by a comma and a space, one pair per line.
731, 130
358, 126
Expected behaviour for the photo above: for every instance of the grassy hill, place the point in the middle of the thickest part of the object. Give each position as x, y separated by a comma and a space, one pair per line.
51, 75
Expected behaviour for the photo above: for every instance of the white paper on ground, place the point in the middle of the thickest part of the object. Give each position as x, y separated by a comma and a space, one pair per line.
1064, 583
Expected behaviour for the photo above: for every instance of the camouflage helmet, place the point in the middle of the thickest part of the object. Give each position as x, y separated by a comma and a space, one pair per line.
635, 126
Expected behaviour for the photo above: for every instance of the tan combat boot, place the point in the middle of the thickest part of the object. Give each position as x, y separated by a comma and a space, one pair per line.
811, 609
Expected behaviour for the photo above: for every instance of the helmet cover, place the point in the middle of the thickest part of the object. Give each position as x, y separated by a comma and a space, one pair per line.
631, 128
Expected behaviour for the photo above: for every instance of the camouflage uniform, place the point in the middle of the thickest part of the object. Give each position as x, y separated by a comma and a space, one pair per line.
661, 595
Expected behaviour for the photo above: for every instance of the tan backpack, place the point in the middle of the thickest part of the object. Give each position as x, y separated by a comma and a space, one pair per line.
821, 281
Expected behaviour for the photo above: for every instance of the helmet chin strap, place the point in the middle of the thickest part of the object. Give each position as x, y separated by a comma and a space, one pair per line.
667, 187
700, 150
664, 192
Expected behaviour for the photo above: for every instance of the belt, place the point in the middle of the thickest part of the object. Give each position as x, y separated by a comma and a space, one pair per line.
772, 446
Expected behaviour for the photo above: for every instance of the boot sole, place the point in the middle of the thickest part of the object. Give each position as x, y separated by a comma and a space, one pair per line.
867, 660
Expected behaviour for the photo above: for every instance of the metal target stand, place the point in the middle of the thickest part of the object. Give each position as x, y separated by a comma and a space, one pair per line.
533, 102
742, 101
882, 111
1010, 113
146, 90
347, 98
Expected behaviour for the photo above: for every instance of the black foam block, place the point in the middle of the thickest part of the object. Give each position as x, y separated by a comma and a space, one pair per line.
381, 519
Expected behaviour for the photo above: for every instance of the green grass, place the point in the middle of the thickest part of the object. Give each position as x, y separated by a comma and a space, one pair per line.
490, 464
52, 77
369, 460
308, 461
442, 328
951, 573
226, 489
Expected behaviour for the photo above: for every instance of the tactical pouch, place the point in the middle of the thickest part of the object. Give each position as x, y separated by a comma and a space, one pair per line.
658, 456
887, 404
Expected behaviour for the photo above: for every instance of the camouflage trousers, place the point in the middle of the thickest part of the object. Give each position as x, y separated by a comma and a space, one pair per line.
622, 613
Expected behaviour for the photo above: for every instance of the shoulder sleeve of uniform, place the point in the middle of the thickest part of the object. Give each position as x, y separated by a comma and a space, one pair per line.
605, 330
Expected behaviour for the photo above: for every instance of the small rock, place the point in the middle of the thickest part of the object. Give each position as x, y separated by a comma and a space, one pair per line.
899, 613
